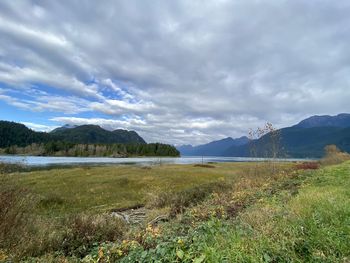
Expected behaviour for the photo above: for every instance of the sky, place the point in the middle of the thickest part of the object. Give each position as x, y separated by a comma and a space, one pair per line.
178, 72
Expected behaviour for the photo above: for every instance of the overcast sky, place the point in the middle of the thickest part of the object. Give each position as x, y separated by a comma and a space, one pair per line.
174, 71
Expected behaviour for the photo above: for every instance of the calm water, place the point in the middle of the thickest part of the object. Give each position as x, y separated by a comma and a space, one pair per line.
45, 161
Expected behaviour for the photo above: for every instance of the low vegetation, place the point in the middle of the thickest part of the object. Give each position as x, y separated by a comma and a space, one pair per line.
334, 156
232, 212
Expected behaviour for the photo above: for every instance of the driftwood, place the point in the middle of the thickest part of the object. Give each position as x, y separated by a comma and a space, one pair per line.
161, 218
131, 216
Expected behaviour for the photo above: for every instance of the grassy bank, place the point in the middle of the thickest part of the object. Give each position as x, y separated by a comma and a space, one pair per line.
307, 223
231, 212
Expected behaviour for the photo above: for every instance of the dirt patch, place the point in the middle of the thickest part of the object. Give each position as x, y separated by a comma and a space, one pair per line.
204, 165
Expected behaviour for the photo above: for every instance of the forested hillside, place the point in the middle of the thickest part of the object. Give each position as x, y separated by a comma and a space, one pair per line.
95, 134
86, 140
12, 133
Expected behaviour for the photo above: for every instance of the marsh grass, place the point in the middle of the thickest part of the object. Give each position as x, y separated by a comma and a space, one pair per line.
334, 156
59, 210
16, 204
100, 189
251, 212
6, 168
178, 201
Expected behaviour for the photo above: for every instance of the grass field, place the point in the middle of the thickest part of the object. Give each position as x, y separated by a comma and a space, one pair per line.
223, 212
97, 189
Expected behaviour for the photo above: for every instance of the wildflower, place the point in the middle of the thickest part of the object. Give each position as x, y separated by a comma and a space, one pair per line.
100, 252
120, 252
180, 242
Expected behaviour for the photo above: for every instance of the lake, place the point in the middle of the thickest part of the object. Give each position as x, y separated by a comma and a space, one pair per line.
52, 160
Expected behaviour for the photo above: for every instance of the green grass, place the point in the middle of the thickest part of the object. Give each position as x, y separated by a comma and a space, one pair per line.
311, 226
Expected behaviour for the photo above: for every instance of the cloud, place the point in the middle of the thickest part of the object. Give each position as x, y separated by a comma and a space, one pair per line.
177, 71
39, 127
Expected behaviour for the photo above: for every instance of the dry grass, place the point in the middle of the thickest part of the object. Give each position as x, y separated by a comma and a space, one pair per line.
99, 189
334, 156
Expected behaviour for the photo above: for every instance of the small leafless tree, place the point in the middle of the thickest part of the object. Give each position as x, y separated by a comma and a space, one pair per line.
265, 142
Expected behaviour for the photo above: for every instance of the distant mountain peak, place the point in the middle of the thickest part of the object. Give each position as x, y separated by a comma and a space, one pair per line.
341, 120
64, 127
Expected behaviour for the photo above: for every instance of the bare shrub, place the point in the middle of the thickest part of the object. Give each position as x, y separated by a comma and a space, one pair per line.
265, 142
270, 137
334, 156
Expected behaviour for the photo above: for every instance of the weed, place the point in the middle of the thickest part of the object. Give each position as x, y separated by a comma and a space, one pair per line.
308, 166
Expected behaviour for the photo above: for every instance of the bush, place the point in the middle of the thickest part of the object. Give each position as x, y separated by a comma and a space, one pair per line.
85, 231
334, 156
179, 201
308, 166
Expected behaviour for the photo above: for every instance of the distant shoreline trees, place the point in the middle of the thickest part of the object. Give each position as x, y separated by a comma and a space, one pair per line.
59, 148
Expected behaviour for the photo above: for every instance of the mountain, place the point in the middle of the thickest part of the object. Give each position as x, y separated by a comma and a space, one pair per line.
340, 120
297, 142
305, 139
12, 133
64, 127
96, 134
215, 148
185, 150
78, 141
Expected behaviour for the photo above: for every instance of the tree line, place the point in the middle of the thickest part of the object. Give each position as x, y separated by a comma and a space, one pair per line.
61, 148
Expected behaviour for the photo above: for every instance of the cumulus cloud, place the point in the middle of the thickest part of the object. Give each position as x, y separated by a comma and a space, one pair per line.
176, 71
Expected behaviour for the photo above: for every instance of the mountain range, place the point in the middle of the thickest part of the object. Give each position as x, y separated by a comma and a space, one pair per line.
12, 133
215, 148
96, 134
305, 139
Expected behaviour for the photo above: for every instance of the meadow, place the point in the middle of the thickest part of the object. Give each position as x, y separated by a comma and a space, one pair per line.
103, 188
220, 212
